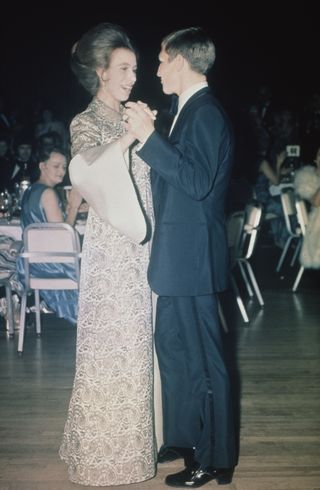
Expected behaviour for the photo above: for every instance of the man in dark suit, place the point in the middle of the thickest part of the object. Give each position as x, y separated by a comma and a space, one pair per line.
22, 163
189, 259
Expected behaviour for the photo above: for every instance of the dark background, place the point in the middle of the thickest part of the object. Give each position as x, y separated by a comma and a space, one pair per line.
266, 43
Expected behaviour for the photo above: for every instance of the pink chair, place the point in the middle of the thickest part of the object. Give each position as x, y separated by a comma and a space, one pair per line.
5, 282
253, 216
47, 243
302, 215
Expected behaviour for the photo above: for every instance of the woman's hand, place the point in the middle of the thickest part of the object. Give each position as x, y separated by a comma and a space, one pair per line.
140, 120
280, 158
74, 199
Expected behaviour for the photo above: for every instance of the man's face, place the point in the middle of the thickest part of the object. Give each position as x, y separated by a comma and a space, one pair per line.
47, 143
168, 73
24, 152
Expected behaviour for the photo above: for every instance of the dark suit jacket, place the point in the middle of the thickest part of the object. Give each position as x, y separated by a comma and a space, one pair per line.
5, 172
190, 176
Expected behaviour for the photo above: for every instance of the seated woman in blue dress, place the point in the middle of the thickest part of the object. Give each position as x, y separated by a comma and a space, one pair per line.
40, 204
270, 171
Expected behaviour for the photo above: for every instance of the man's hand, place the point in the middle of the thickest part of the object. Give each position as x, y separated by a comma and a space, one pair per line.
139, 119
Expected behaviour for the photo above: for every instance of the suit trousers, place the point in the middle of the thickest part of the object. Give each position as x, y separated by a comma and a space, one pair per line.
196, 397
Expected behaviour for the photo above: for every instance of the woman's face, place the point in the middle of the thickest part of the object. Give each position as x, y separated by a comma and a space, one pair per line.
120, 76
54, 169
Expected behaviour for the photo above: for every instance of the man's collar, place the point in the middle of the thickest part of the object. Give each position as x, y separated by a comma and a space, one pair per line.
185, 96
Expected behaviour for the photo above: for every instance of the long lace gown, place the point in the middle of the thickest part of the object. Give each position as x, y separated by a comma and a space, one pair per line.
109, 433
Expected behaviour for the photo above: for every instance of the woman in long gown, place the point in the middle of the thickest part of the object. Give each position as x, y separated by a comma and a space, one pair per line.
42, 204
109, 432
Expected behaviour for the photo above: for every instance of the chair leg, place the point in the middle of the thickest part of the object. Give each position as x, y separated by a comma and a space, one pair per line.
298, 278
22, 322
37, 305
9, 309
254, 283
241, 306
245, 278
296, 253
284, 253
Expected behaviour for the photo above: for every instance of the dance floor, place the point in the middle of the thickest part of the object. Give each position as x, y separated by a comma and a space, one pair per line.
274, 363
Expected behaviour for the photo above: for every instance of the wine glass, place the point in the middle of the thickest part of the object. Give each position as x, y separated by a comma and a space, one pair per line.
5, 204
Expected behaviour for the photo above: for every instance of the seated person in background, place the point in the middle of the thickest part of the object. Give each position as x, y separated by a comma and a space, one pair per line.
49, 124
5, 161
48, 141
271, 170
22, 162
307, 186
40, 204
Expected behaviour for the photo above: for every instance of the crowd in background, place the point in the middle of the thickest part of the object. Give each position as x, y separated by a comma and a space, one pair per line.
263, 127
23, 137
263, 130
273, 140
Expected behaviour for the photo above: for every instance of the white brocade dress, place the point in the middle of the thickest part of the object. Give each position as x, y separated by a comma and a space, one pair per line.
109, 432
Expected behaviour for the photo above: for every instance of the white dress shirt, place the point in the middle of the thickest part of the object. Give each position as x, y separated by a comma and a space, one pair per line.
185, 96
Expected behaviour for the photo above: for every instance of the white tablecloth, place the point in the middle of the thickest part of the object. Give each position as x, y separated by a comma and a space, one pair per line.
275, 190
13, 228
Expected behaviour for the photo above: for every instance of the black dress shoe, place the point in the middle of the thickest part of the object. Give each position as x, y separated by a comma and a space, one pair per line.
192, 478
167, 454
197, 477
224, 475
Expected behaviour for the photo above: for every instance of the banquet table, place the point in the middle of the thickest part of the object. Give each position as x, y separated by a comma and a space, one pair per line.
13, 228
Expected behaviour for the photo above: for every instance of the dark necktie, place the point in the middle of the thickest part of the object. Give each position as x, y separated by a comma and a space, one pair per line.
174, 105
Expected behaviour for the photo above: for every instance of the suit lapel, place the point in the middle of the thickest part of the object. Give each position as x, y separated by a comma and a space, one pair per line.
185, 109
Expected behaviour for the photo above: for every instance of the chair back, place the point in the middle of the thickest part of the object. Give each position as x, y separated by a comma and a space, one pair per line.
288, 202
302, 215
253, 216
235, 225
47, 243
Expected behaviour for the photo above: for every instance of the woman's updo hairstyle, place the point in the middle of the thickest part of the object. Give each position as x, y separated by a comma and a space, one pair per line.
94, 49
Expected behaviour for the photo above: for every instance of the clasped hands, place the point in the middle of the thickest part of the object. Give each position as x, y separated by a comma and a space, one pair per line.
139, 120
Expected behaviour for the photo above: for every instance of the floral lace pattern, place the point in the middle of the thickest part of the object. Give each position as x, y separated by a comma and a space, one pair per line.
109, 433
